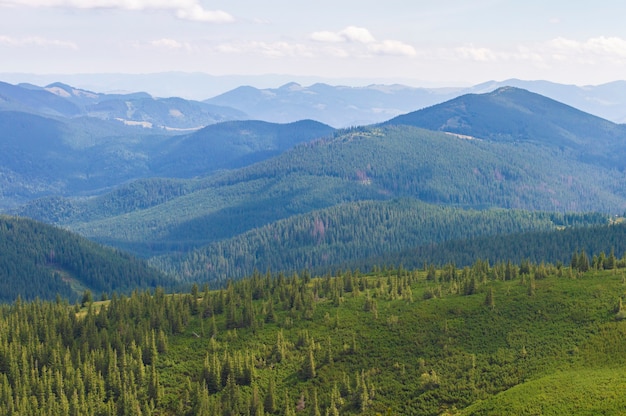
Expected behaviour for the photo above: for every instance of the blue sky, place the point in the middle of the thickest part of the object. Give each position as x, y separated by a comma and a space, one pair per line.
443, 42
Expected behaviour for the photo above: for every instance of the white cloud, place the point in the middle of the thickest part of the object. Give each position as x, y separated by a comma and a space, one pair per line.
360, 35
170, 44
393, 47
608, 46
349, 34
357, 34
594, 50
197, 13
184, 9
328, 37
564, 44
476, 54
270, 49
36, 41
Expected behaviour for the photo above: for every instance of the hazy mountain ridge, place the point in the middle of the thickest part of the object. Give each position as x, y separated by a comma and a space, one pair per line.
539, 168
605, 100
61, 100
84, 156
338, 106
516, 115
232, 145
343, 106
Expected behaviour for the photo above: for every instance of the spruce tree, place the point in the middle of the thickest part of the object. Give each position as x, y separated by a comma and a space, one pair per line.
489, 299
269, 401
308, 369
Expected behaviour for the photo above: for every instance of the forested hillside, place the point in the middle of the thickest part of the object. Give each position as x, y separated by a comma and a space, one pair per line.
39, 260
538, 156
232, 145
363, 164
485, 339
365, 234
536, 246
42, 157
389, 269
516, 115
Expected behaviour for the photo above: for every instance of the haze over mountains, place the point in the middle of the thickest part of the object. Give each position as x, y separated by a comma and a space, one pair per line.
217, 195
138, 108
329, 101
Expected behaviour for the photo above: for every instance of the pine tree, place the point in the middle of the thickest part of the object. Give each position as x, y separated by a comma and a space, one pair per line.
270, 317
315, 407
611, 261
256, 408
574, 262
269, 401
531, 286
308, 369
289, 410
489, 299
87, 298
583, 262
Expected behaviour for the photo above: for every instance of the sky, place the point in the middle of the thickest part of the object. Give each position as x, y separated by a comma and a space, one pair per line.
423, 43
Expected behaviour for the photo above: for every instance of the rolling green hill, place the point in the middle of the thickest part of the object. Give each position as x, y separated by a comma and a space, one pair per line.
50, 158
39, 260
485, 340
379, 163
43, 156
155, 217
231, 145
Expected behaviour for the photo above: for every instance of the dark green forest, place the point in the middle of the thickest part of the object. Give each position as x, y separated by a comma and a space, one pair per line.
173, 217
405, 231
40, 260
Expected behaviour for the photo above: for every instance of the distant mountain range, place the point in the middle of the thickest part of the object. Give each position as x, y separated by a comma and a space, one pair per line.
338, 105
211, 194
135, 109
238, 195
341, 106
42, 156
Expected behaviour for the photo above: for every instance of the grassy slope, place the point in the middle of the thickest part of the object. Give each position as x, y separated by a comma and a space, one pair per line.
579, 392
533, 342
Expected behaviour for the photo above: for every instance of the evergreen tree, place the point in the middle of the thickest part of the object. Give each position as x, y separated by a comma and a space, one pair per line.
583, 261
269, 401
308, 369
489, 299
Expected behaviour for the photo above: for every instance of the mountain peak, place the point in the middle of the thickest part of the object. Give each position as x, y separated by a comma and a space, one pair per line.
291, 86
514, 114
507, 89
67, 91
